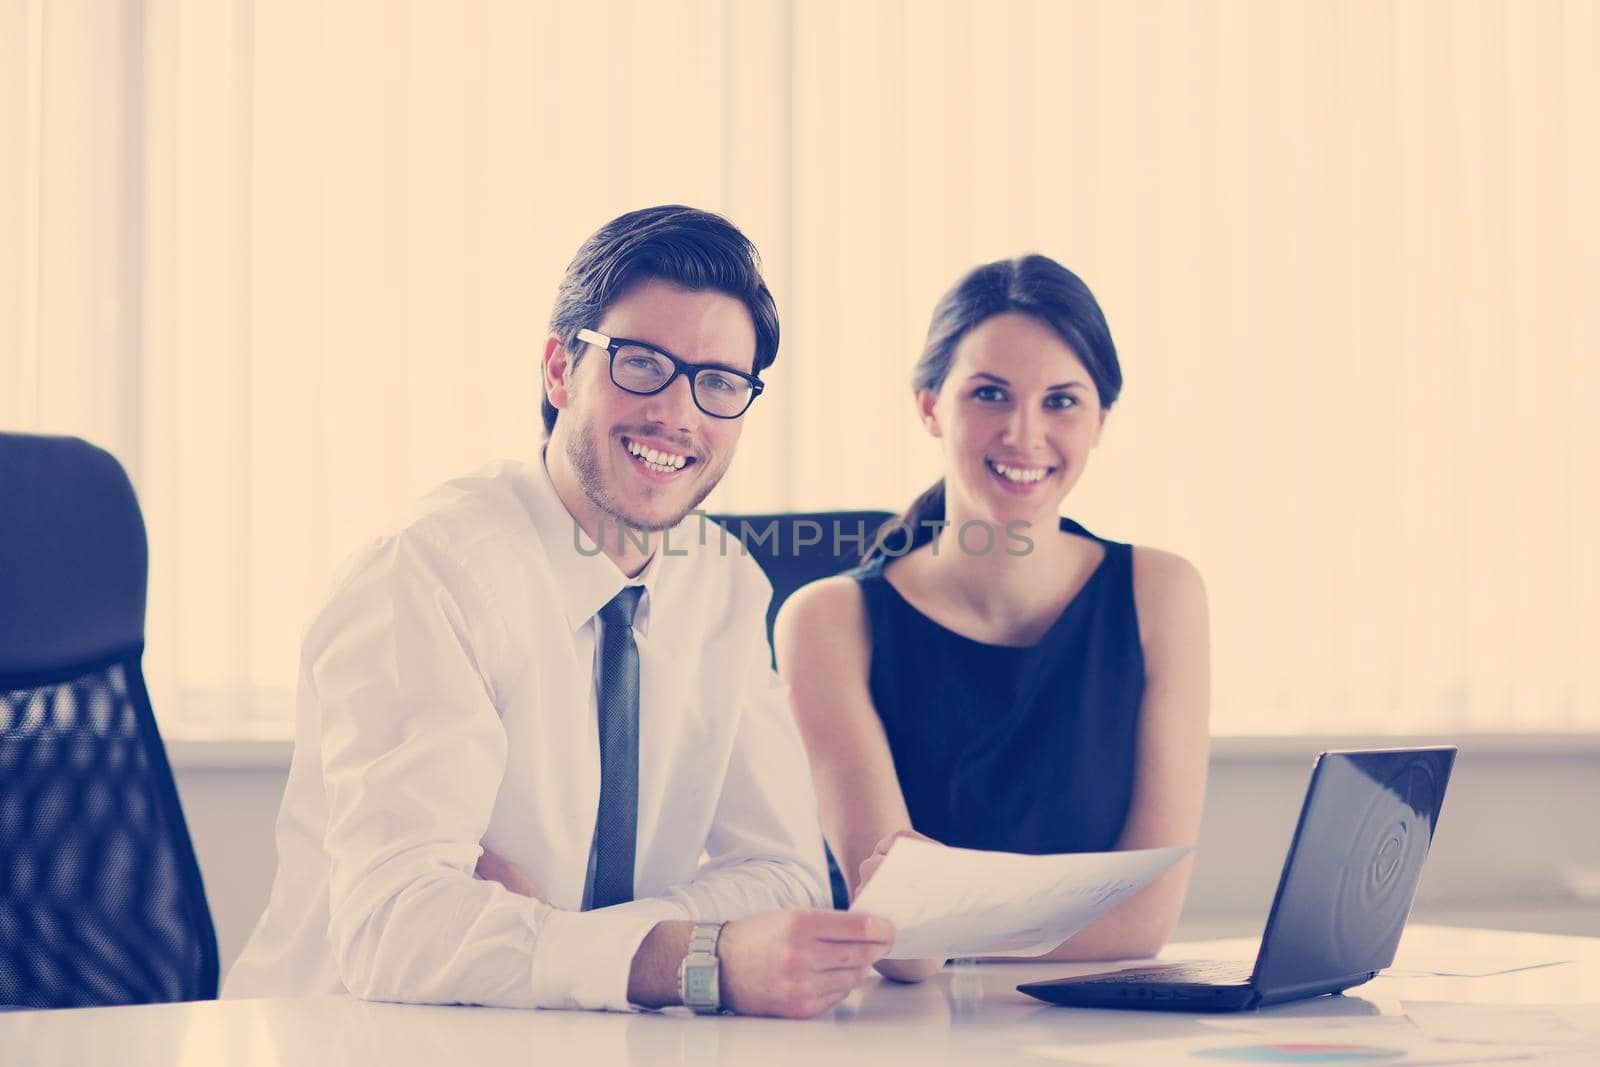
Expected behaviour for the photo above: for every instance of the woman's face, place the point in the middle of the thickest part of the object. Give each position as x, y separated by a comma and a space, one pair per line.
1018, 415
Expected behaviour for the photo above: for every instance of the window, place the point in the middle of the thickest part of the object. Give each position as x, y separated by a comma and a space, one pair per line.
293, 264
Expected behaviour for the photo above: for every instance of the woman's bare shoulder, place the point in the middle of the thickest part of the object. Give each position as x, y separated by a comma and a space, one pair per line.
821, 621
1168, 592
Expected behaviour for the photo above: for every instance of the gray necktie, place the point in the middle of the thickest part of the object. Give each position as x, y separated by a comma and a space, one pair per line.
616, 824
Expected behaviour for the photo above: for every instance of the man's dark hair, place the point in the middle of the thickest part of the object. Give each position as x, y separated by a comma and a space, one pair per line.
696, 250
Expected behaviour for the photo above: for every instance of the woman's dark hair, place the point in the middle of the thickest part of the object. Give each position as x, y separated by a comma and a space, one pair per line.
1032, 285
696, 250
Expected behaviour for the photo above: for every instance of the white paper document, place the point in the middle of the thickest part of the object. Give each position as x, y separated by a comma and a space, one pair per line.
1504, 1024
948, 902
1390, 1047
1478, 954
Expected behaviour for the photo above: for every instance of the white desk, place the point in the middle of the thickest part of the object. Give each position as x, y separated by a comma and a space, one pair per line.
967, 1014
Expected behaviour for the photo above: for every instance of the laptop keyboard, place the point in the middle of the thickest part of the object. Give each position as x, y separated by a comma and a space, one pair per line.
1201, 973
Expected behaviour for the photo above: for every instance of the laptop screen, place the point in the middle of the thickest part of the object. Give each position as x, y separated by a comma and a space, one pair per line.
1353, 867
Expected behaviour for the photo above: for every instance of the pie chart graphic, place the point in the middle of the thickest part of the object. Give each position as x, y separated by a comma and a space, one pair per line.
1292, 1052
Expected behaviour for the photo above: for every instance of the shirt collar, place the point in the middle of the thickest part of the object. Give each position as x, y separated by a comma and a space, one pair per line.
585, 576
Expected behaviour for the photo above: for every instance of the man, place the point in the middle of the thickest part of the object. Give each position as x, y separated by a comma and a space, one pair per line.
525, 717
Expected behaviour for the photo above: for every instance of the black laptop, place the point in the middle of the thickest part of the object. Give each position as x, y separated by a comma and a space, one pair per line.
1342, 901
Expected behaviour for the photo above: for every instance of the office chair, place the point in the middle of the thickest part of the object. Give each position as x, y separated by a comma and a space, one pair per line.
100, 897
798, 547
837, 541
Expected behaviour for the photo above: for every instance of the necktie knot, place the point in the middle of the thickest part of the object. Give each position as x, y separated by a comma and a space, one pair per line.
620, 608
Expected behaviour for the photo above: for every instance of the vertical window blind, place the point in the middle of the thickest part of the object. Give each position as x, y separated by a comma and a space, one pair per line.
292, 262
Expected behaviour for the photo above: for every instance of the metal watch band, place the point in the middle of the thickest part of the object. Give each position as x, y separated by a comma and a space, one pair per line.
698, 975
703, 939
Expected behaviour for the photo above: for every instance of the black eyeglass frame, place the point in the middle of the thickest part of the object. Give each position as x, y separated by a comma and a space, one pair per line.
679, 368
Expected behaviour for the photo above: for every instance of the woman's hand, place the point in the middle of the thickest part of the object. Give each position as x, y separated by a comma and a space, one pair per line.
897, 970
880, 852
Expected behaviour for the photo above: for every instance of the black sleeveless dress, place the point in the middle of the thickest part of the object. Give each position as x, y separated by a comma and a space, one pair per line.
1013, 749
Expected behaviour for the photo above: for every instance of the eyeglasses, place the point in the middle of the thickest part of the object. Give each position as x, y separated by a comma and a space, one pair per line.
638, 368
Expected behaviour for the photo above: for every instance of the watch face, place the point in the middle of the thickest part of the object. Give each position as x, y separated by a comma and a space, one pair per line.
699, 985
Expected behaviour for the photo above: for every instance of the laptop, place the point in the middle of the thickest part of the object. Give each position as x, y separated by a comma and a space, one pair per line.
1342, 901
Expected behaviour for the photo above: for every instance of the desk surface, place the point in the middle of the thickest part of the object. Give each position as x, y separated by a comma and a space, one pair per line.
969, 1013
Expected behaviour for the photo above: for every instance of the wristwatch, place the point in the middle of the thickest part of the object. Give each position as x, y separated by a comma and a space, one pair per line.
697, 974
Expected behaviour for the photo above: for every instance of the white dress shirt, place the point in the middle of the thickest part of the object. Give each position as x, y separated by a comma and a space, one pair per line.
447, 704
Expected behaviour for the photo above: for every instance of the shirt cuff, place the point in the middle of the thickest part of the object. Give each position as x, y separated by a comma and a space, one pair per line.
582, 959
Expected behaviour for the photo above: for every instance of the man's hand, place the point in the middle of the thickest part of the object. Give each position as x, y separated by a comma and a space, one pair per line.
492, 868
796, 964
880, 851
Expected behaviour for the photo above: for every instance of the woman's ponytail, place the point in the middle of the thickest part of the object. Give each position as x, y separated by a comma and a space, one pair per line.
911, 530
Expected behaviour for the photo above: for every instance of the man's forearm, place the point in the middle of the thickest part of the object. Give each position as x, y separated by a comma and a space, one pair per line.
653, 977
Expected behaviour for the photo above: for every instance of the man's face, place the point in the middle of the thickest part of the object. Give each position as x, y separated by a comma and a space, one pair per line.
623, 448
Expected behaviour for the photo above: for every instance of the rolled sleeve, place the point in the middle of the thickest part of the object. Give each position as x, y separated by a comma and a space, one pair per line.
583, 959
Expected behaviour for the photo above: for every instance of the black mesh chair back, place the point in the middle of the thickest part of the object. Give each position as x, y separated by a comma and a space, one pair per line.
798, 547
100, 897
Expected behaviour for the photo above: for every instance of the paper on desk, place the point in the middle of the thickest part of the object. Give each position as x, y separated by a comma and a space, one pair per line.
948, 902
1308, 1045
1502, 1024
1480, 969
1524, 1026
1476, 954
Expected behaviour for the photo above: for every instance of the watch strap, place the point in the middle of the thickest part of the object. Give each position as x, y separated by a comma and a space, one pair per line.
698, 976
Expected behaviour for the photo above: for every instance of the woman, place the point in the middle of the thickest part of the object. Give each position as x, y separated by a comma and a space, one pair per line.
993, 676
